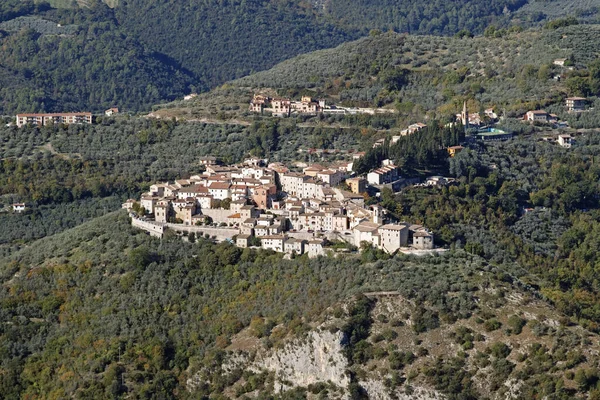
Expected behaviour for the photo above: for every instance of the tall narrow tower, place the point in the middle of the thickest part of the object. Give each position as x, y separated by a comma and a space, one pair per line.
465, 117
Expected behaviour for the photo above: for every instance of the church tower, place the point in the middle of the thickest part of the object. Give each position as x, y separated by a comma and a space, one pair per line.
465, 116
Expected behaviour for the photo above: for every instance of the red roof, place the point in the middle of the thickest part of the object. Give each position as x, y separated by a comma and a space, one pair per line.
88, 114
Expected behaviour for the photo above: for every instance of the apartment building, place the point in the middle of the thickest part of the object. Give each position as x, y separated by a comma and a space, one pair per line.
52, 119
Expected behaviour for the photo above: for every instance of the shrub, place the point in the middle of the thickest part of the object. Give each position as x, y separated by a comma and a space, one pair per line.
492, 325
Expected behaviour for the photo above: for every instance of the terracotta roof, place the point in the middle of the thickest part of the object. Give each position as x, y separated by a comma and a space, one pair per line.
57, 115
219, 185
195, 189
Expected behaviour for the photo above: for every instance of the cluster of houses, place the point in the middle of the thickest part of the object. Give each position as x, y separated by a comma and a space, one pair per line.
413, 128
307, 105
287, 211
60, 118
573, 105
474, 119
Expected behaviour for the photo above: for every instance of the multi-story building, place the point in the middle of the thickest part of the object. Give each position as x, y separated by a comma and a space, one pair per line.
273, 242
293, 245
52, 119
259, 103
385, 174
565, 141
357, 185
422, 240
537, 116
316, 248
331, 177
393, 237
575, 104
220, 190
281, 106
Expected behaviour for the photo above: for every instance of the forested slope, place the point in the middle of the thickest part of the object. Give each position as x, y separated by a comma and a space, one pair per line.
88, 65
430, 77
142, 52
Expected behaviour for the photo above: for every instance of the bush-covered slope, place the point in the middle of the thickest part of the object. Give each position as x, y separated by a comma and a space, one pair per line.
105, 311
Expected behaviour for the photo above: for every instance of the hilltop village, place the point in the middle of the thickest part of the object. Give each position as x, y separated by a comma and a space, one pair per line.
283, 107
268, 205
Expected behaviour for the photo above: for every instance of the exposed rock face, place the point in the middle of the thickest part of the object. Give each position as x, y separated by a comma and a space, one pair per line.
317, 358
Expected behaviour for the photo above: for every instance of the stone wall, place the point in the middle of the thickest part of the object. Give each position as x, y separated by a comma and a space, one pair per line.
221, 234
217, 214
156, 229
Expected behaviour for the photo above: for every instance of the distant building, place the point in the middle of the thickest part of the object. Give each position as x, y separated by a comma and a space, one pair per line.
422, 240
565, 141
111, 111
19, 207
438, 181
386, 174
560, 62
259, 103
316, 247
379, 143
208, 160
273, 242
54, 119
357, 185
281, 106
294, 246
468, 119
454, 150
413, 128
575, 104
306, 106
539, 116
128, 205
331, 177
242, 241
393, 236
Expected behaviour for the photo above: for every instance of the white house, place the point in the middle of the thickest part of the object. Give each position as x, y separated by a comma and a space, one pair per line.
273, 242
219, 190
19, 207
537, 116
366, 232
316, 248
565, 141
293, 245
